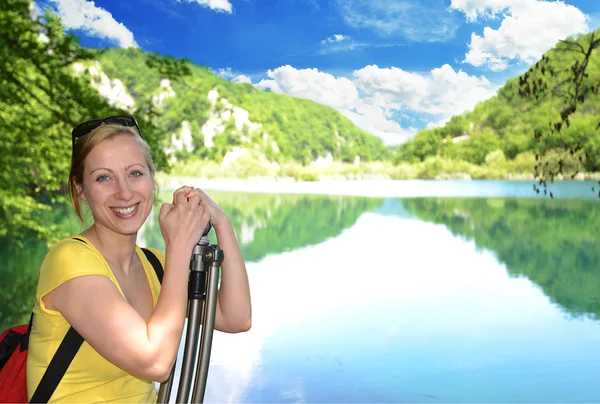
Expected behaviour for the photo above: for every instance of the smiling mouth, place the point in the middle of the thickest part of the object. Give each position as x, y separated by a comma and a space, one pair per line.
126, 212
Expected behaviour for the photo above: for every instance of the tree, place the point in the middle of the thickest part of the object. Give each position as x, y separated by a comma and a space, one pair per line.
41, 100
561, 150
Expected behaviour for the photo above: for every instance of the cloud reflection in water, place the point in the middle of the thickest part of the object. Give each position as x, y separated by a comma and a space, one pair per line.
399, 309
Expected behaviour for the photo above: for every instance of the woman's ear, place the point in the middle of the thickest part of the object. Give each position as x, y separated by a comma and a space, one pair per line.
79, 189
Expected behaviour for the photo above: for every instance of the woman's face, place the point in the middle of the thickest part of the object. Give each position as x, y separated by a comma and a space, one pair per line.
117, 185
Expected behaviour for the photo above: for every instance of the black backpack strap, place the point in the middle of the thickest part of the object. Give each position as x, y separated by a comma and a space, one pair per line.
25, 340
155, 263
58, 366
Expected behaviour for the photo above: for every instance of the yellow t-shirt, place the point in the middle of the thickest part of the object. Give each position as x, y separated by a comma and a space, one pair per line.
90, 377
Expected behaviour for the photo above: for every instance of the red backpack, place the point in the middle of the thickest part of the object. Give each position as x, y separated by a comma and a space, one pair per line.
13, 357
13, 361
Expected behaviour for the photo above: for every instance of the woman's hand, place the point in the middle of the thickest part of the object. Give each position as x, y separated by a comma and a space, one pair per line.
218, 217
184, 220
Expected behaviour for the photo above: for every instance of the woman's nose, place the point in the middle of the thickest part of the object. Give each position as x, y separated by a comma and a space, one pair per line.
124, 191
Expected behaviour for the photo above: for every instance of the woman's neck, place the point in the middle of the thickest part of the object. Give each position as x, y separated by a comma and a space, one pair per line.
117, 249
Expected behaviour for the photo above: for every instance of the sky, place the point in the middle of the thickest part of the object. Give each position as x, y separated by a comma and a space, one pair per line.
391, 66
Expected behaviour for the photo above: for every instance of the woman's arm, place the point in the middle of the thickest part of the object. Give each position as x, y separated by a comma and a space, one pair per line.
233, 312
95, 308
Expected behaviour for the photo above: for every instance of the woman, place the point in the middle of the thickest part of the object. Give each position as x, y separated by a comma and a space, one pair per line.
106, 289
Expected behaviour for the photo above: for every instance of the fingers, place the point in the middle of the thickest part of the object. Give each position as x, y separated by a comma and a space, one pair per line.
165, 208
190, 197
194, 199
179, 197
187, 191
195, 191
181, 191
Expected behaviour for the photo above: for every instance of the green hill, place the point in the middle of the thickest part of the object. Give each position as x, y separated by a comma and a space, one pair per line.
502, 129
205, 117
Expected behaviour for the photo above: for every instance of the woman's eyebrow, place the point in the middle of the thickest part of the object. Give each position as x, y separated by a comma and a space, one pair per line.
110, 170
101, 168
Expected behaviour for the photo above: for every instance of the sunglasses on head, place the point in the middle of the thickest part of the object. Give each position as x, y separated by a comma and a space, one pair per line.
86, 127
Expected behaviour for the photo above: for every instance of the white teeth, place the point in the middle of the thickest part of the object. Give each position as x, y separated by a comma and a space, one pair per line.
124, 211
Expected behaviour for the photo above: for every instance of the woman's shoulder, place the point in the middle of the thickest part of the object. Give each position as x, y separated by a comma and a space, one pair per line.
72, 253
71, 247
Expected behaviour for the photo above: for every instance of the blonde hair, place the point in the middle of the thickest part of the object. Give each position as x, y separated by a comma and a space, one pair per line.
84, 146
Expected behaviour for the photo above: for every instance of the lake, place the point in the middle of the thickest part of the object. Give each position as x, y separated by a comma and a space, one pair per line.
477, 292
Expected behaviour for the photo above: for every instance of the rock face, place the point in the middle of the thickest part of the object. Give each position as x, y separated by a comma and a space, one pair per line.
112, 90
222, 112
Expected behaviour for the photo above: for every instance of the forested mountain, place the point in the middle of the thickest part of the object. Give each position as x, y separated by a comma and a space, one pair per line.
212, 116
563, 84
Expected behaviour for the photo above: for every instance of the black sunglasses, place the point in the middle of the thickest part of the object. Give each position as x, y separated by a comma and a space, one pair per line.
86, 127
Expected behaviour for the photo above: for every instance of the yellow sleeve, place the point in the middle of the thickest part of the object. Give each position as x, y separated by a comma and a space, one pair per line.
66, 260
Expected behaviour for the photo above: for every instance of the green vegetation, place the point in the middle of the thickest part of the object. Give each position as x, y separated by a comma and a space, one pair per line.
569, 89
511, 122
40, 102
436, 167
552, 243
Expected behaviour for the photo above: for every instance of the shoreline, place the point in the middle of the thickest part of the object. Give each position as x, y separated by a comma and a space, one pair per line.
386, 188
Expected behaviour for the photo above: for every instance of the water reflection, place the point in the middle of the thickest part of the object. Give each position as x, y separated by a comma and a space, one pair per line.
552, 243
270, 224
398, 300
265, 224
398, 310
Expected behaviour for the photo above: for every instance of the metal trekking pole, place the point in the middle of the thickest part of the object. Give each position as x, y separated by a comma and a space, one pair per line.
205, 265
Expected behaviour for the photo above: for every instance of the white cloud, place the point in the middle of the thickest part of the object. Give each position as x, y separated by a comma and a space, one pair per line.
340, 93
372, 97
414, 21
335, 38
342, 43
338, 43
233, 76
94, 21
528, 29
474, 9
443, 92
217, 5
337, 92
242, 79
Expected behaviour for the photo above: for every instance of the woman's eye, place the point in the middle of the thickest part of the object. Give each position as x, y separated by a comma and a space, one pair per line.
136, 173
102, 178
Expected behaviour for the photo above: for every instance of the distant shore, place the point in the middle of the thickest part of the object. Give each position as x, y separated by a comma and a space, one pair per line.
250, 174
450, 187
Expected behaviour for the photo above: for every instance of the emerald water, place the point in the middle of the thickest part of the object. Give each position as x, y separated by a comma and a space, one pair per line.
488, 294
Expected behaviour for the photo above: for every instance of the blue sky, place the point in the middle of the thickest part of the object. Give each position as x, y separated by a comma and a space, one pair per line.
392, 66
